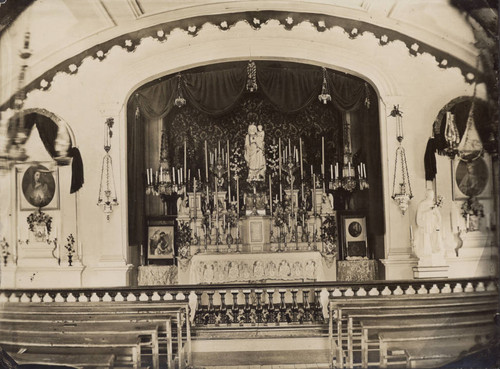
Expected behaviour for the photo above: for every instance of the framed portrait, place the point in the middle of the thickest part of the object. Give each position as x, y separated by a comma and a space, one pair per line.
160, 241
472, 179
38, 187
354, 236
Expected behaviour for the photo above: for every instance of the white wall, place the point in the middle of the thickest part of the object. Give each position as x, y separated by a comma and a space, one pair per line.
100, 90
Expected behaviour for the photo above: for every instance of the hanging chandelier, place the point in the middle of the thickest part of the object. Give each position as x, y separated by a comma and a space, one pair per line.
179, 101
107, 190
451, 135
324, 97
12, 132
251, 76
402, 193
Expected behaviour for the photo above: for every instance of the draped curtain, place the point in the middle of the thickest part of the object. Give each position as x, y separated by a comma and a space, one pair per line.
48, 131
289, 87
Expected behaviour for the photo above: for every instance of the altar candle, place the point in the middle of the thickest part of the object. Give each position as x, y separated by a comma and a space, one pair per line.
185, 158
189, 176
314, 191
228, 174
289, 148
296, 155
312, 172
173, 175
301, 163
270, 197
279, 152
161, 174
147, 175
206, 161
467, 224
218, 146
194, 191
323, 156
364, 170
411, 233
281, 193
336, 170
199, 173
331, 172
237, 196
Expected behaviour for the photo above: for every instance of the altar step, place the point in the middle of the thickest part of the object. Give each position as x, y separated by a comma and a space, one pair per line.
255, 347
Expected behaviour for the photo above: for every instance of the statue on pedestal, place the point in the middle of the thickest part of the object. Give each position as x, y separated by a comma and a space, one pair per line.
428, 241
254, 153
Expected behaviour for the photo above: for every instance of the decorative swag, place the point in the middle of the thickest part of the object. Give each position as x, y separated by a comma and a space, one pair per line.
288, 86
217, 89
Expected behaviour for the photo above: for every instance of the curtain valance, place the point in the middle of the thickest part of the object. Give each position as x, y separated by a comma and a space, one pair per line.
214, 92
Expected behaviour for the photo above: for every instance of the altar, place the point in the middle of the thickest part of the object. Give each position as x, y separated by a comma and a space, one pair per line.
256, 267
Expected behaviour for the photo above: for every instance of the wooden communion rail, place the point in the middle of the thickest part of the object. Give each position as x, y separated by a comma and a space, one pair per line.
379, 323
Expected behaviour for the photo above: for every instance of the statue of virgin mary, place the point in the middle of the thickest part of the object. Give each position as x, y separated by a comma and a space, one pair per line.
254, 153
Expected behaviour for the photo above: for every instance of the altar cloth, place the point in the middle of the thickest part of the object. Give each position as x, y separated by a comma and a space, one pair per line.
256, 267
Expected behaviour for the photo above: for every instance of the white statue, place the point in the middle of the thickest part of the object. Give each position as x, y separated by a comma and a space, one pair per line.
182, 206
254, 153
428, 240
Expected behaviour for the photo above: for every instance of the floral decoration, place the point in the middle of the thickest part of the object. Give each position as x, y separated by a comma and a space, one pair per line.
439, 202
237, 162
39, 217
329, 234
183, 238
272, 159
232, 217
69, 246
5, 248
472, 207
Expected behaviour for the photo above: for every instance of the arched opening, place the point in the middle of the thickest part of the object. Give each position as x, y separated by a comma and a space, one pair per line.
176, 124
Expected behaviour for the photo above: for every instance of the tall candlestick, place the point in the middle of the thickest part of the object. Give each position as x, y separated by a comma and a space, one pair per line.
228, 175
185, 159
270, 196
206, 161
331, 172
314, 191
289, 148
323, 156
281, 192
195, 208
216, 204
279, 153
237, 196
301, 163
218, 146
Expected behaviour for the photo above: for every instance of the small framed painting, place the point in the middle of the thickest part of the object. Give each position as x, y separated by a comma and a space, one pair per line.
160, 241
472, 178
354, 236
38, 187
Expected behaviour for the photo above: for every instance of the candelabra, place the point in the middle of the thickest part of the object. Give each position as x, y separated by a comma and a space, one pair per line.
107, 197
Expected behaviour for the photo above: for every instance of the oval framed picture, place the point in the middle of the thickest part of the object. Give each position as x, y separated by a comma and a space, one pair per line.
38, 187
472, 178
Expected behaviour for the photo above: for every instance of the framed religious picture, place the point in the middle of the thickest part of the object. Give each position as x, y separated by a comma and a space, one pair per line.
38, 187
472, 178
354, 236
160, 240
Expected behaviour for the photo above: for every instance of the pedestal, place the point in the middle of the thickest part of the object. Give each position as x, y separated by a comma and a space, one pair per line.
428, 272
195, 211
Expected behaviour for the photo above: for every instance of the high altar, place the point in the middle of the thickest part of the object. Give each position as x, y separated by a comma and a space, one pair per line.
250, 214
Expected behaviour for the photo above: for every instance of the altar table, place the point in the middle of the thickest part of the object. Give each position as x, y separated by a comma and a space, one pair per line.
258, 267
357, 270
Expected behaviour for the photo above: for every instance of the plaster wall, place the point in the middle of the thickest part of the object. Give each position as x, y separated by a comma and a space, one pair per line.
100, 90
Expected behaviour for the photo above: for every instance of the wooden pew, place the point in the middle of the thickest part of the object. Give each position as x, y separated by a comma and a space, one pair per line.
124, 312
76, 361
465, 337
341, 307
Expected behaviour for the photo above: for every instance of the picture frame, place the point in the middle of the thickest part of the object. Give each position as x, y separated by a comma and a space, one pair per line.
38, 186
354, 236
160, 240
472, 179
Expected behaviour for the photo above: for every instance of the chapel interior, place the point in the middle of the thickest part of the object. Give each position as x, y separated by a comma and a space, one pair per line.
249, 184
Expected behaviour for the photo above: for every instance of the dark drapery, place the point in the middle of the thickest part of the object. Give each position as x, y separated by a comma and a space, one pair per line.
135, 178
430, 160
48, 131
289, 89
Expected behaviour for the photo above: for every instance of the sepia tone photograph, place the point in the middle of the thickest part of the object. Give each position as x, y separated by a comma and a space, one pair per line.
241, 184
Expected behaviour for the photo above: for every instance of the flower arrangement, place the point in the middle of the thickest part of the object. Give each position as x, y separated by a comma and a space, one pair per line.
39, 217
183, 233
237, 162
232, 217
69, 246
329, 234
281, 213
272, 159
472, 207
439, 202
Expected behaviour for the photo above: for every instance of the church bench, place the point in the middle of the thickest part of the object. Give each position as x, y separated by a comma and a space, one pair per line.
77, 361
406, 306
458, 337
87, 339
144, 329
125, 318
371, 328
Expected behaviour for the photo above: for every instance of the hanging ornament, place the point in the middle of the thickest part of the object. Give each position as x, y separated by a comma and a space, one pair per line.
470, 147
107, 190
324, 97
179, 101
402, 193
251, 76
